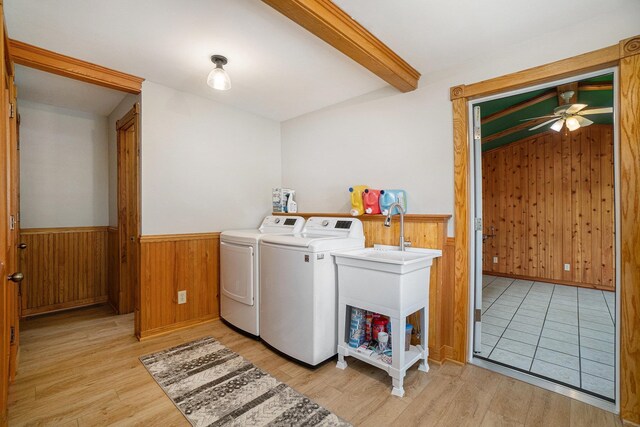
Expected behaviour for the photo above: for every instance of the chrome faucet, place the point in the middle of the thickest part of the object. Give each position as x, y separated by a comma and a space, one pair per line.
387, 223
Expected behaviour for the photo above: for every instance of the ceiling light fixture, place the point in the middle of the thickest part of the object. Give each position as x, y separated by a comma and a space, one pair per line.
218, 77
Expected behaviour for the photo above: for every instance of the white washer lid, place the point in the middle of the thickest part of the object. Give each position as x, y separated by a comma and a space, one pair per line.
303, 240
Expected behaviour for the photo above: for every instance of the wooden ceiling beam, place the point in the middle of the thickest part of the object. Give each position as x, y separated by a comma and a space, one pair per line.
66, 66
330, 23
519, 106
514, 129
595, 86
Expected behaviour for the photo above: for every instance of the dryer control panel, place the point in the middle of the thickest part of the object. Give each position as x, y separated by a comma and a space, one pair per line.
282, 224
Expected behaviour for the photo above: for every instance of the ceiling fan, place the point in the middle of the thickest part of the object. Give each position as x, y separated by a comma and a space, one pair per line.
570, 115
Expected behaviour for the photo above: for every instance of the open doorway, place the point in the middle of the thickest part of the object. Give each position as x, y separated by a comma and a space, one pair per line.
71, 195
545, 241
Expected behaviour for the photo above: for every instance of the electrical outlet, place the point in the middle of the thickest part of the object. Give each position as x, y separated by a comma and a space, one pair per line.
495, 259
182, 297
567, 267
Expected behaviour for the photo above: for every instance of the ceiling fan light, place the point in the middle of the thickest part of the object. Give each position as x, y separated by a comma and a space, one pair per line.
557, 126
572, 123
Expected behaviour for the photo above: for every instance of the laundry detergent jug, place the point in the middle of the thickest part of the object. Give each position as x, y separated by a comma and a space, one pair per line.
357, 205
371, 199
389, 197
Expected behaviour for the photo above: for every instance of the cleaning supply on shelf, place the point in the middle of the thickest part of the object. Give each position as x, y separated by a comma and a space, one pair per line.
292, 206
407, 337
379, 325
368, 323
357, 204
371, 199
383, 340
389, 197
279, 199
356, 329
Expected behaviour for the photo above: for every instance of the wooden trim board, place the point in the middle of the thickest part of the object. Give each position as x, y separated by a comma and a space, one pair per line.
363, 218
584, 63
179, 237
330, 23
30, 312
77, 69
626, 55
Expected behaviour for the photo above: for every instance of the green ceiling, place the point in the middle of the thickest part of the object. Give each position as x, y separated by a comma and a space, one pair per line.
593, 98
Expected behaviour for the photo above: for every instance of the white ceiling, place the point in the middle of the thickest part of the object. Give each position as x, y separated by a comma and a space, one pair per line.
46, 88
279, 70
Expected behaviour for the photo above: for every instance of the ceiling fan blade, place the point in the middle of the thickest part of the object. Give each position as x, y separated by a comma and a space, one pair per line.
535, 118
574, 108
596, 111
544, 124
583, 121
557, 126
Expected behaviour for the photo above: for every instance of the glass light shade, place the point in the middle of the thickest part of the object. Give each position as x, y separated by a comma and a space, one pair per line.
557, 125
572, 123
219, 79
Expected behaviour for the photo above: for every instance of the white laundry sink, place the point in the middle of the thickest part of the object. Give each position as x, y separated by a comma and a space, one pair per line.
389, 258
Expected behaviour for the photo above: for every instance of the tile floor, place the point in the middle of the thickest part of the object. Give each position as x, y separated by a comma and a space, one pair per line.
559, 332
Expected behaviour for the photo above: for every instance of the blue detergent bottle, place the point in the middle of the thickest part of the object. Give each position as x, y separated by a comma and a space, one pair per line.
389, 197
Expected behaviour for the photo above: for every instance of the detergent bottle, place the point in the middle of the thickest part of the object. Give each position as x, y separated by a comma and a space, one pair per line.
389, 197
357, 205
371, 201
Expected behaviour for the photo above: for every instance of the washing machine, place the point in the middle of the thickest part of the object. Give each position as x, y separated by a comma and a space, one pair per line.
298, 287
239, 270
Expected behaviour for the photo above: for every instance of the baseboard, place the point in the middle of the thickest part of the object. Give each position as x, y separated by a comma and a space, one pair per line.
167, 329
553, 281
63, 306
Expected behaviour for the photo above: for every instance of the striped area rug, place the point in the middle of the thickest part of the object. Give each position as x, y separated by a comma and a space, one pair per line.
213, 386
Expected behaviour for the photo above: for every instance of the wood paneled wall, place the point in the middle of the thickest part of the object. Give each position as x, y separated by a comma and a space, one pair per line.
172, 263
63, 268
113, 268
423, 231
550, 201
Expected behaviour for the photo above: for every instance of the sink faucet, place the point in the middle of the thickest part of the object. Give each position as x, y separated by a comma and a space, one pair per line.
387, 223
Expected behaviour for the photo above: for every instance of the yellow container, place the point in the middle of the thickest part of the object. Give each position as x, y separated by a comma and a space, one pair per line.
357, 204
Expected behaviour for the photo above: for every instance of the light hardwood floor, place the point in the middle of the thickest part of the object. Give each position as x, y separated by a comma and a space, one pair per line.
81, 368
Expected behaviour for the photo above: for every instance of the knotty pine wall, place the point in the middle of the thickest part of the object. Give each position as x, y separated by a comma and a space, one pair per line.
172, 263
63, 268
550, 199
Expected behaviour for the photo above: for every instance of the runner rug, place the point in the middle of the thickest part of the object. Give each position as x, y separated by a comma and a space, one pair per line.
213, 386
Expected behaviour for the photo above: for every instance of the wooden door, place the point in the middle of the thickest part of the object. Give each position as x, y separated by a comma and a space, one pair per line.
13, 230
7, 288
128, 210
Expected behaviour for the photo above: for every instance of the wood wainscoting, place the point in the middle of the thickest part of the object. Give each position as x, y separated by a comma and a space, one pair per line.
63, 268
423, 231
172, 263
113, 268
548, 201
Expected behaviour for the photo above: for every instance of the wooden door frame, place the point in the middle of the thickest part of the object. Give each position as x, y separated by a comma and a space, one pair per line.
131, 118
626, 56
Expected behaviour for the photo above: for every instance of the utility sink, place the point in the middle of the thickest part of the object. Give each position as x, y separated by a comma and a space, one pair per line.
388, 258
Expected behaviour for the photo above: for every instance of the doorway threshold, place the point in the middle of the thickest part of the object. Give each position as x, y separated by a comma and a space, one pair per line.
546, 384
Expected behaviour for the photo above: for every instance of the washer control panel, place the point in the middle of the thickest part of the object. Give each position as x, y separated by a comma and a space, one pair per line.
335, 226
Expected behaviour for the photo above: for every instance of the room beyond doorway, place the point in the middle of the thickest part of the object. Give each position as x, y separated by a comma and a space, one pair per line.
545, 266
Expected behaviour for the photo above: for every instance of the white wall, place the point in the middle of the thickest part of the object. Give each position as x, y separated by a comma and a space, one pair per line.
205, 166
63, 167
123, 108
392, 140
